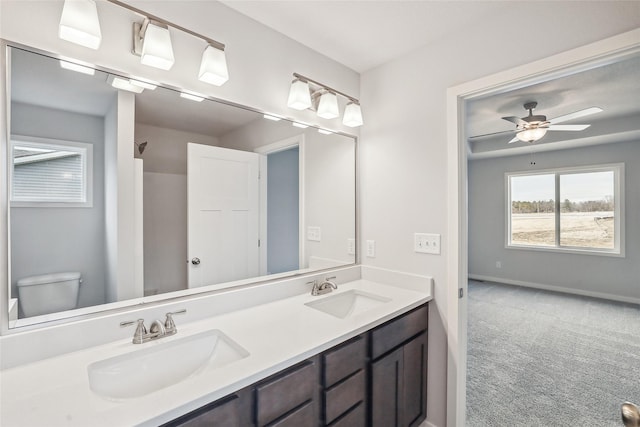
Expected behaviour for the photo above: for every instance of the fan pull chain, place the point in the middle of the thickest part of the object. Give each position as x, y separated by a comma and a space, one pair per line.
532, 160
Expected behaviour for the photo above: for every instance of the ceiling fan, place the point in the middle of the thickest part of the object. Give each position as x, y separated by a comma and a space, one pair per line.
533, 127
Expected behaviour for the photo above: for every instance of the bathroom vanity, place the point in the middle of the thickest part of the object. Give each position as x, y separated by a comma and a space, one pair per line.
282, 362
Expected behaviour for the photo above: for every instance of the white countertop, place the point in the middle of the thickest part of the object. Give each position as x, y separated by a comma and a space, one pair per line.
55, 391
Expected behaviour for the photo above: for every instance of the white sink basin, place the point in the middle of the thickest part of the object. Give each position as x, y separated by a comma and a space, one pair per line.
348, 303
159, 364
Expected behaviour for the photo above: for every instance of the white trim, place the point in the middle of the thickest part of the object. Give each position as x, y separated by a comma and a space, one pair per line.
619, 212
583, 58
83, 148
601, 295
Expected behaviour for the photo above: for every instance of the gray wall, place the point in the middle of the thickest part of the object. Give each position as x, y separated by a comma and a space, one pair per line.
50, 240
612, 276
282, 211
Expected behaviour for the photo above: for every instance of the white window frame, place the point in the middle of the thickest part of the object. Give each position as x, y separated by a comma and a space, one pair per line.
86, 153
619, 211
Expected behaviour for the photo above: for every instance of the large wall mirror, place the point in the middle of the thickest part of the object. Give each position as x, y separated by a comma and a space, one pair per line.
133, 197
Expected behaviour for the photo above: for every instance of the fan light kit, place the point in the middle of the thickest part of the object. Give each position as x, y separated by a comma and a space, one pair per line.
532, 128
306, 93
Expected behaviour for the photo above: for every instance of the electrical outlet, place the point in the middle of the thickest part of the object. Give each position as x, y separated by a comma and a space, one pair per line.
314, 234
426, 243
351, 246
371, 248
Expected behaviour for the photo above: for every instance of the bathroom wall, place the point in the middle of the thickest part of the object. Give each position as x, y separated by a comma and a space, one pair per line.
403, 142
611, 276
165, 205
51, 240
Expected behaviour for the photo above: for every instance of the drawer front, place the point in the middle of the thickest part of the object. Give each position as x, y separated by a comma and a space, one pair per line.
344, 395
280, 395
357, 417
397, 331
226, 413
344, 360
303, 416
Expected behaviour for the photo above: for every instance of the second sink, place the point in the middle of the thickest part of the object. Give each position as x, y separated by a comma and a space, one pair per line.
348, 303
161, 364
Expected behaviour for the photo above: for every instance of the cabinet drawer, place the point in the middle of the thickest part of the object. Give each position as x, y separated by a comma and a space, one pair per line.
344, 360
357, 417
344, 395
303, 416
395, 332
275, 397
225, 412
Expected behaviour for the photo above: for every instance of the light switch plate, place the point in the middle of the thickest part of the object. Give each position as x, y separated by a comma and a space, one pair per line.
426, 243
371, 248
314, 234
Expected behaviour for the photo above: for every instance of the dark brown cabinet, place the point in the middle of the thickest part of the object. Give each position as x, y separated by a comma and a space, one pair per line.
378, 378
399, 376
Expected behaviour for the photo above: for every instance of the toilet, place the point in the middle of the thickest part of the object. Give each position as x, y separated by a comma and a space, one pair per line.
48, 293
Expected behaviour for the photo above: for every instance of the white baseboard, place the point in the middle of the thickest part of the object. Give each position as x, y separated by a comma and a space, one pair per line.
601, 295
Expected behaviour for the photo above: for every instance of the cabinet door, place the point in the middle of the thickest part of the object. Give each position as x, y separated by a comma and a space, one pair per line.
415, 381
387, 385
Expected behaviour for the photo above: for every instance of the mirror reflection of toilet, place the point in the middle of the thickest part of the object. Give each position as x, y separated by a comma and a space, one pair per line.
48, 293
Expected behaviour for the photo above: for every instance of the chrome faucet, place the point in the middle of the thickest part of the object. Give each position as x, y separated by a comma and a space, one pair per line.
324, 287
156, 331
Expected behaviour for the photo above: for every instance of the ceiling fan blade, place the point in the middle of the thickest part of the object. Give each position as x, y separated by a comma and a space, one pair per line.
575, 115
515, 139
568, 127
492, 134
517, 120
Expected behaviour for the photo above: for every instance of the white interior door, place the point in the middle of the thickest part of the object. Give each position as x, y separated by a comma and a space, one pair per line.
223, 211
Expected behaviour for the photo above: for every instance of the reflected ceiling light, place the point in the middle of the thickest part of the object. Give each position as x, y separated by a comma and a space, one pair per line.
299, 125
152, 41
79, 23
213, 68
306, 93
270, 117
77, 68
299, 95
328, 106
120, 83
531, 135
324, 131
143, 84
191, 97
352, 115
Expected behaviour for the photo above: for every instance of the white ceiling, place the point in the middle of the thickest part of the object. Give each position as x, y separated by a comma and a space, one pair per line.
364, 34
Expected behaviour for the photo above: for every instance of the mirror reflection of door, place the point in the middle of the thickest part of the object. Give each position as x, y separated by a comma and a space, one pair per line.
223, 214
283, 206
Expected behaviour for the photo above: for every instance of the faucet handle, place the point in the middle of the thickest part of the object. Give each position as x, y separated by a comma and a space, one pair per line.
141, 330
169, 324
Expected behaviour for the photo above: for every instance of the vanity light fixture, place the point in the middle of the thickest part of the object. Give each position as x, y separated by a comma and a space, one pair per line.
270, 117
77, 68
299, 95
79, 23
306, 93
153, 41
124, 84
191, 97
213, 68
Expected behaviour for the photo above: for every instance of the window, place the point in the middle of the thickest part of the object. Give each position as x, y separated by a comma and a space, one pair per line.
50, 173
572, 209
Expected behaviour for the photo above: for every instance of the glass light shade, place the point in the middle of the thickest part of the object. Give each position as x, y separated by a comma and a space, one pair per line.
328, 106
77, 68
299, 95
352, 115
79, 23
156, 47
213, 68
531, 135
123, 84
191, 97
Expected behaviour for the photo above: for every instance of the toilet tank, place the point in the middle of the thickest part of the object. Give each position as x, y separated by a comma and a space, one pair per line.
48, 293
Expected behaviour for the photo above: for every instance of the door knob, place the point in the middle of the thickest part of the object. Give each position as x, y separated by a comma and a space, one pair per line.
195, 260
